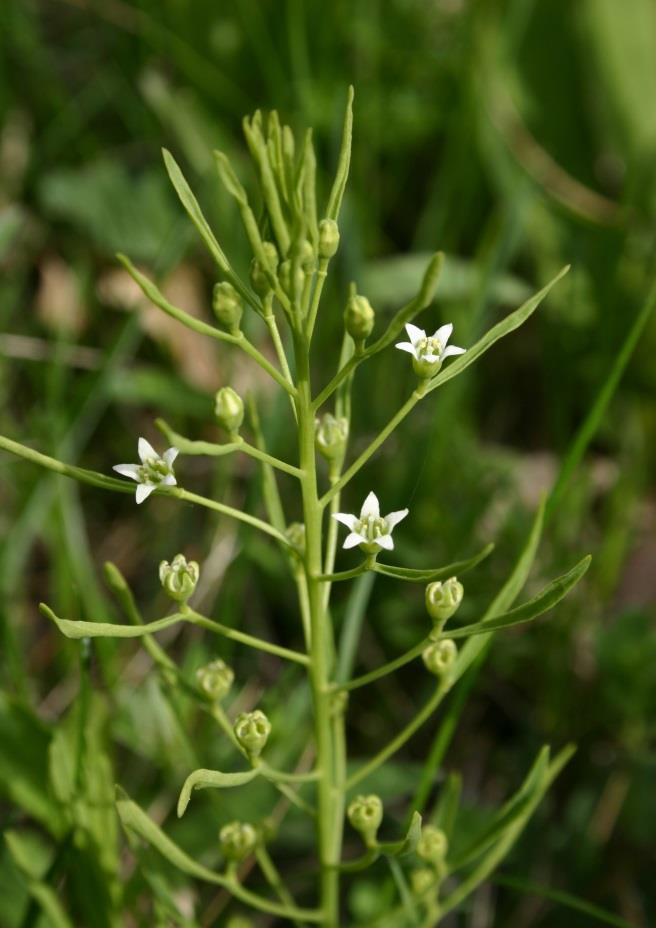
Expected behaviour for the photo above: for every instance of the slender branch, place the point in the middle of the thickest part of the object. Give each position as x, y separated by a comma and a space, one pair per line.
322, 273
339, 378
274, 879
346, 574
186, 446
281, 776
189, 497
197, 325
385, 669
373, 447
91, 477
397, 743
235, 635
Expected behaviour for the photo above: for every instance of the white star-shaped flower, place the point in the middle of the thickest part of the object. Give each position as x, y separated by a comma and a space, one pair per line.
429, 351
370, 530
154, 471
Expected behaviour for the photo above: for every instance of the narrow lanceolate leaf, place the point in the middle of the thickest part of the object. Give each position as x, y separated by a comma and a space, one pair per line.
212, 779
73, 628
344, 163
530, 610
436, 573
409, 844
135, 820
194, 211
423, 299
505, 597
540, 779
509, 813
507, 325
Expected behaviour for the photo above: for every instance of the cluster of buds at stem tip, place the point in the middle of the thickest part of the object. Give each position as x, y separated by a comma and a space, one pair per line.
179, 578
370, 530
215, 679
328, 238
443, 600
229, 410
439, 656
429, 351
228, 306
252, 730
331, 434
359, 318
237, 840
365, 813
263, 270
432, 848
154, 471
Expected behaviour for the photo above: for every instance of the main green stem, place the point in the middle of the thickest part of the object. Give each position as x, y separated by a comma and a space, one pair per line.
329, 760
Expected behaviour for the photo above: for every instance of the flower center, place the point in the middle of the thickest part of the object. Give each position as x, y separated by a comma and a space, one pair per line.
372, 528
429, 345
154, 471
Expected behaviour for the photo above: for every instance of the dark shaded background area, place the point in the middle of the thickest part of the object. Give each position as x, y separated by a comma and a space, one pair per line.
516, 136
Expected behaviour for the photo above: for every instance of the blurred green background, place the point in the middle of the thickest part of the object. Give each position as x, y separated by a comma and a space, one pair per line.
515, 135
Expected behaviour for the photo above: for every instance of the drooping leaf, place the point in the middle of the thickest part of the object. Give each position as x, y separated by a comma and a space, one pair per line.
212, 779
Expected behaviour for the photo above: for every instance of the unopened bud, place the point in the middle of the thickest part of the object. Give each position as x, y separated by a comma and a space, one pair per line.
331, 434
229, 410
365, 813
259, 277
179, 578
422, 880
443, 599
291, 278
432, 845
252, 730
238, 840
228, 306
295, 535
328, 238
439, 656
304, 254
215, 679
358, 318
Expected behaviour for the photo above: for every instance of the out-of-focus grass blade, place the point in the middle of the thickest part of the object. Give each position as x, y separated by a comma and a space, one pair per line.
562, 898
352, 626
592, 421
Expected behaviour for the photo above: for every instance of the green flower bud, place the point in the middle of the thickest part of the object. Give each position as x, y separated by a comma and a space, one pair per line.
229, 410
238, 840
358, 318
228, 306
330, 435
239, 921
328, 238
179, 578
432, 845
365, 813
439, 656
295, 535
252, 730
422, 880
443, 599
259, 278
215, 679
291, 278
303, 254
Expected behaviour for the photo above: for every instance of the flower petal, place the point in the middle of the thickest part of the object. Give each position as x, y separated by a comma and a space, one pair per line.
146, 451
431, 358
452, 349
353, 539
170, 455
347, 519
385, 541
443, 334
406, 346
415, 334
395, 517
127, 470
169, 481
143, 491
370, 507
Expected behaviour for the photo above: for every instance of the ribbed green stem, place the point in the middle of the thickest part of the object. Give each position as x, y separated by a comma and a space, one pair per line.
329, 840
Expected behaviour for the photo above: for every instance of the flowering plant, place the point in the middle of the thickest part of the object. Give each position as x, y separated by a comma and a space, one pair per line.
288, 271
